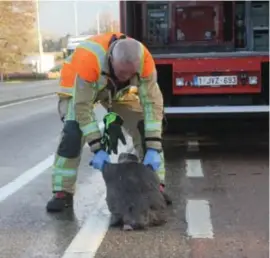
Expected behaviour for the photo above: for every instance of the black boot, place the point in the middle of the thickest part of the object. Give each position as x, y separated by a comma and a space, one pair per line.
59, 202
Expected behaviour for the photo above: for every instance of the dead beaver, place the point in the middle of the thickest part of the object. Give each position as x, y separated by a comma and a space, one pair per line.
133, 195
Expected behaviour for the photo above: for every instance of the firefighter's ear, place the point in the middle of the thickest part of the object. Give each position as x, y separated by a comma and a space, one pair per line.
123, 36
110, 57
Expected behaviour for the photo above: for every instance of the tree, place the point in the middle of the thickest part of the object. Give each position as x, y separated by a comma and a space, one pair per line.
107, 23
115, 25
64, 41
17, 21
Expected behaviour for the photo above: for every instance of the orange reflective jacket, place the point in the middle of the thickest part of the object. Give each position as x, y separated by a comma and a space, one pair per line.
90, 59
67, 78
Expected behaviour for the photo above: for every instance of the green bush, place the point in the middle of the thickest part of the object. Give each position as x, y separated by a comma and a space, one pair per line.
25, 76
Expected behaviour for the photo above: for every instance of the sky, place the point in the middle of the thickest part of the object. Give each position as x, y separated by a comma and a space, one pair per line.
57, 17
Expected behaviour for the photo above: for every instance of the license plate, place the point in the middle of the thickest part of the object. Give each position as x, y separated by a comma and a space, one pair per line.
215, 80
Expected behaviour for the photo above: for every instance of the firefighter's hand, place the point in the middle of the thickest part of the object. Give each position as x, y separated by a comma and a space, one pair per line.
113, 132
152, 158
99, 159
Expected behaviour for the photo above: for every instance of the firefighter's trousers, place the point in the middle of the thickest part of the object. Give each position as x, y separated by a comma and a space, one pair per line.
65, 169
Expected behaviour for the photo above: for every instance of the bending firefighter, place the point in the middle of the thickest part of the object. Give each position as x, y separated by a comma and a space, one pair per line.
101, 69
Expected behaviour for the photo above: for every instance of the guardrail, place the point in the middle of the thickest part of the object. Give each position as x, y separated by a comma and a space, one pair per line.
29, 76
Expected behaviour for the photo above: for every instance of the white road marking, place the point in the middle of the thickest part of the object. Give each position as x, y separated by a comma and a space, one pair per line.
26, 101
193, 146
194, 168
25, 178
86, 243
198, 217
193, 143
27, 85
89, 238
32, 173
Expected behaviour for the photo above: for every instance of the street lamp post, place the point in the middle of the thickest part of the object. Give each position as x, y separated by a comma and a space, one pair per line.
40, 47
75, 17
98, 22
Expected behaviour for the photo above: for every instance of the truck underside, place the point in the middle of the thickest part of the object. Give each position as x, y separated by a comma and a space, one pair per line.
222, 38
213, 103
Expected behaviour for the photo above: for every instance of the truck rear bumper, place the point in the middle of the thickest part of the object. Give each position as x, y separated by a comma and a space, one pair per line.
216, 109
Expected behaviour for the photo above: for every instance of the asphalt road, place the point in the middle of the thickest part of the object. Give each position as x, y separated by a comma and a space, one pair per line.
12, 92
29, 135
219, 187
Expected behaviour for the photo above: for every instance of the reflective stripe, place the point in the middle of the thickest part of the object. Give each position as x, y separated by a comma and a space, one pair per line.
90, 128
70, 113
57, 188
142, 60
60, 161
68, 59
161, 170
121, 92
147, 105
152, 126
66, 90
63, 171
100, 54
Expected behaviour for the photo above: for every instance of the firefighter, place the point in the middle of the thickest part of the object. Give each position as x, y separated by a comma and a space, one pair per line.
67, 77
98, 70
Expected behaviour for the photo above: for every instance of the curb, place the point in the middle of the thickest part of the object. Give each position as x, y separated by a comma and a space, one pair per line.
26, 81
4, 103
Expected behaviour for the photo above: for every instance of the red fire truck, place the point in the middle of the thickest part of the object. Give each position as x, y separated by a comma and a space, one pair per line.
211, 56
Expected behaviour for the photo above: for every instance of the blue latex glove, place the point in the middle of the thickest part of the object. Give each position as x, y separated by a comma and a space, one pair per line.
152, 158
99, 159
